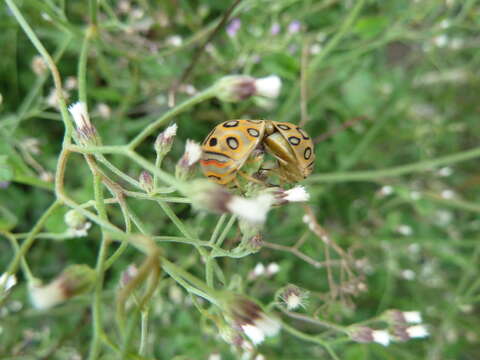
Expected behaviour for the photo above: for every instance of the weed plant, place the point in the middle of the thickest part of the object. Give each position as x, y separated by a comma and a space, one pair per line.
114, 246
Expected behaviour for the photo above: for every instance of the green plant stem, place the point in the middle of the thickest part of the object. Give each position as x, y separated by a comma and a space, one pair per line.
23, 263
311, 338
143, 332
172, 269
28, 242
150, 129
93, 8
375, 175
51, 65
82, 66
215, 232
225, 231
97, 299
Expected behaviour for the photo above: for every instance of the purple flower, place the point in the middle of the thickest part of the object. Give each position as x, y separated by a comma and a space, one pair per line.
4, 184
275, 29
233, 27
294, 27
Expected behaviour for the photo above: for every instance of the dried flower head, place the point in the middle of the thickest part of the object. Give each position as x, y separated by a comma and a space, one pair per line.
293, 297
404, 317
364, 334
87, 134
296, 194
38, 65
77, 223
73, 281
193, 152
146, 181
250, 318
209, 196
236, 88
164, 141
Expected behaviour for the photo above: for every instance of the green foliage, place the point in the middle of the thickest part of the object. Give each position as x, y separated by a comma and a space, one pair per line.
395, 191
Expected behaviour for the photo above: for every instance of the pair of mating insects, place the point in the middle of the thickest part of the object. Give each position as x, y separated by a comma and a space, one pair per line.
230, 144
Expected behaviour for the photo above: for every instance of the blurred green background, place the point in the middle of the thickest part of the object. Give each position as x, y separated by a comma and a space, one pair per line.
408, 71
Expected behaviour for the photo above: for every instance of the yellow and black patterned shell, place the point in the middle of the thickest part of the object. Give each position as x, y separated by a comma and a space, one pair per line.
228, 146
300, 144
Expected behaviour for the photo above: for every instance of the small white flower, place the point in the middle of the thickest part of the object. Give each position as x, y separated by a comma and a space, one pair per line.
45, 297
175, 40
254, 333
170, 131
258, 270
417, 331
405, 230
71, 83
7, 282
440, 40
447, 194
262, 327
81, 231
381, 336
445, 23
252, 210
412, 317
215, 356
408, 274
269, 86
386, 190
104, 110
297, 194
80, 116
193, 151
273, 268
294, 297
445, 171
415, 195
315, 49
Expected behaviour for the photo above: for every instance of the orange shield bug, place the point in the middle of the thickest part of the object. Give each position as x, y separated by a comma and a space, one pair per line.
230, 144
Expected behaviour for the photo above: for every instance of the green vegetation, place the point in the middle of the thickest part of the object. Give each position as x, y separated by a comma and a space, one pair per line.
388, 90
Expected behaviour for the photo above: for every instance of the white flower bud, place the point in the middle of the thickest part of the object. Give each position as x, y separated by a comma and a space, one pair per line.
87, 134
269, 86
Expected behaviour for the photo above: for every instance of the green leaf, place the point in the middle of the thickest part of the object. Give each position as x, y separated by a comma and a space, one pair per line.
6, 171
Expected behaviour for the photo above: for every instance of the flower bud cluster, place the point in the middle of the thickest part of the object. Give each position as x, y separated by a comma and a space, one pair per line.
400, 328
236, 88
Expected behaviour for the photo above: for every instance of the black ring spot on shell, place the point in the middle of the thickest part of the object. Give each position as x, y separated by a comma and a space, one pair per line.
255, 121
232, 143
214, 177
253, 132
307, 153
230, 124
303, 133
213, 141
284, 127
294, 140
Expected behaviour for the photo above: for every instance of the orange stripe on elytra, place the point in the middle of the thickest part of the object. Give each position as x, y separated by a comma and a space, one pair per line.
214, 162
